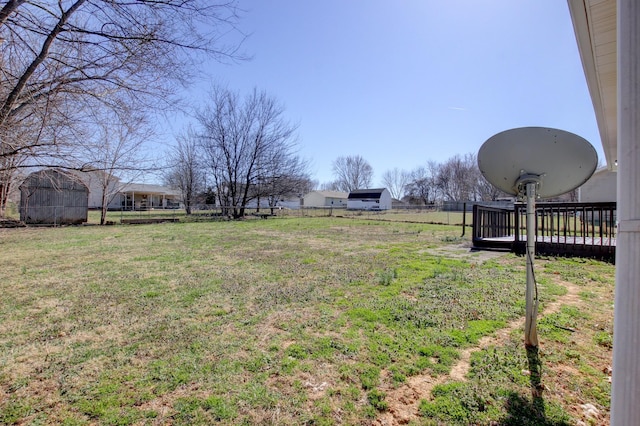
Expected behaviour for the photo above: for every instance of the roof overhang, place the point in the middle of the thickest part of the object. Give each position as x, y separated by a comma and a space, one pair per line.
594, 23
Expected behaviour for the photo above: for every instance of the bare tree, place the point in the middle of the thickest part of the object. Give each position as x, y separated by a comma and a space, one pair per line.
286, 176
115, 149
241, 139
59, 59
457, 178
486, 191
185, 171
279, 188
422, 186
27, 137
395, 181
351, 173
329, 186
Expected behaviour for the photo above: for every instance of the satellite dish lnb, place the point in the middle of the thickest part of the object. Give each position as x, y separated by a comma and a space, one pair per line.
556, 160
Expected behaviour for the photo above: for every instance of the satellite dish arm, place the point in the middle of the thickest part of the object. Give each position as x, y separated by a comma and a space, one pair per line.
526, 178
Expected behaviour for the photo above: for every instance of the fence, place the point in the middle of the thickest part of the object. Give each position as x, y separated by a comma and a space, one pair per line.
400, 213
418, 214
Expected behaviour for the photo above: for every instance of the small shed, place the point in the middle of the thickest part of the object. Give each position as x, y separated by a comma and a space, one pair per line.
53, 197
369, 199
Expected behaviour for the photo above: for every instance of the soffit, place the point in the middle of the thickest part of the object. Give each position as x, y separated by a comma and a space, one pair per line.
594, 23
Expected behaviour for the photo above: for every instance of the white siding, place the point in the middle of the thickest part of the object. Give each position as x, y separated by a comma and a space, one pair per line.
601, 187
325, 199
92, 180
382, 202
385, 200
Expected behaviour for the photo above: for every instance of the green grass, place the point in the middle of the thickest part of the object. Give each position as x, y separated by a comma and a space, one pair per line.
283, 321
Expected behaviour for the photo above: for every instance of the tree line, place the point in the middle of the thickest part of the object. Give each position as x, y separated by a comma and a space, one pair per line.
456, 179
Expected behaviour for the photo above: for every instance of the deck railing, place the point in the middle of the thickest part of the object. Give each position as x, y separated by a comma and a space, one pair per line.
493, 227
576, 229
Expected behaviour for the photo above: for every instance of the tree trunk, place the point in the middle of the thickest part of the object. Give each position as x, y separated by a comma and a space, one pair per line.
103, 211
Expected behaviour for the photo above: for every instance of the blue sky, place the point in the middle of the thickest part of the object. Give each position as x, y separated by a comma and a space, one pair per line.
404, 82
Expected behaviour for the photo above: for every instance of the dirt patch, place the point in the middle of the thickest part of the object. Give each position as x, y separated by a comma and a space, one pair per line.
466, 251
403, 401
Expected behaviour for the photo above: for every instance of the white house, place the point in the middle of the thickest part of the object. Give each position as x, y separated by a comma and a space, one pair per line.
143, 196
369, 199
94, 181
128, 196
287, 203
325, 199
601, 187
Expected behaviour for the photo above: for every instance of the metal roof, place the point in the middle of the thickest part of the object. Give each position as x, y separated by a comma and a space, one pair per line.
366, 193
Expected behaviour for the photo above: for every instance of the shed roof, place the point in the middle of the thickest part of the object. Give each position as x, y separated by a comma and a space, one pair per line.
366, 193
53, 179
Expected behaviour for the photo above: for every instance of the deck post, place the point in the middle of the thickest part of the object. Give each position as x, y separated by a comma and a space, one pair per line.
531, 294
625, 394
464, 218
516, 226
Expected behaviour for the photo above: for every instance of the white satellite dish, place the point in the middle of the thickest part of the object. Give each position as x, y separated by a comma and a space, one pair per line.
536, 162
560, 160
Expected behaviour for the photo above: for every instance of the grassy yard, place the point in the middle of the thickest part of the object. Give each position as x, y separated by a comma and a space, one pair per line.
292, 321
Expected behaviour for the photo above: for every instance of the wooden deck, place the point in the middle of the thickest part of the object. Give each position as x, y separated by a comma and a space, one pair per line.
565, 229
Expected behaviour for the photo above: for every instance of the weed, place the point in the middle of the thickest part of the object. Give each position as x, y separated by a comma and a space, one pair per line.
603, 338
450, 239
368, 375
437, 358
386, 277
558, 326
445, 407
297, 351
376, 399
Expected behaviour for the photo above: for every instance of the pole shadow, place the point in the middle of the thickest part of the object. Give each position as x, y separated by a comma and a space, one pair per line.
537, 388
525, 411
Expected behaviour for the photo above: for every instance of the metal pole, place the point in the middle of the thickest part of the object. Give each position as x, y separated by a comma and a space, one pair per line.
531, 294
625, 393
